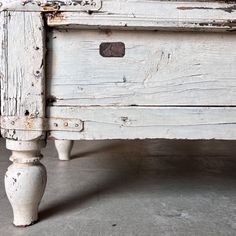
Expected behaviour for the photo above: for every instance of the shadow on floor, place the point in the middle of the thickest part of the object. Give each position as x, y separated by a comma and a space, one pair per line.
161, 162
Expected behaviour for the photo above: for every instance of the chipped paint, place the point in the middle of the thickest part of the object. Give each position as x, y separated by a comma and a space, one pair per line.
57, 17
51, 5
59, 3
27, 189
50, 8
229, 23
29, 123
229, 9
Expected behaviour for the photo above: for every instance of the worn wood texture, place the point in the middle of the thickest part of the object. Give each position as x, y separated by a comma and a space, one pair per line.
2, 55
148, 122
152, 14
50, 5
22, 80
104, 5
25, 180
159, 68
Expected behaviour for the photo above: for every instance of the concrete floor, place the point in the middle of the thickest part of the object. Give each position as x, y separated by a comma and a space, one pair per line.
134, 188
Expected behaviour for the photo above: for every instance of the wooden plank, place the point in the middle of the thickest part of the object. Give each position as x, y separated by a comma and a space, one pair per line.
50, 5
148, 122
104, 5
159, 68
2, 54
22, 86
152, 15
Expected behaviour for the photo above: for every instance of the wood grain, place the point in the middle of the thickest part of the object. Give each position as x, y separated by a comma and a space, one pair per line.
159, 68
148, 122
22, 83
152, 15
2, 55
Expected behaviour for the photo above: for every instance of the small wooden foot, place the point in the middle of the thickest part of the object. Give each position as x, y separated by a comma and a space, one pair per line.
25, 181
64, 148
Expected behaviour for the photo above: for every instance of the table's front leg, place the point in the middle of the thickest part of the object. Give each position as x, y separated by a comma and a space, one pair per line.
23, 110
25, 180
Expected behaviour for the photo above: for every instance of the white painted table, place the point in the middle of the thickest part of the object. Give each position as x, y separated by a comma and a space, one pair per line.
128, 69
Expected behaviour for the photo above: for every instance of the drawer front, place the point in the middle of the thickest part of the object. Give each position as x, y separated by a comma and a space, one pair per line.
156, 68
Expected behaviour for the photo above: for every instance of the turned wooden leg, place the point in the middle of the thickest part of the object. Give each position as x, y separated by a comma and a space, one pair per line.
64, 148
25, 180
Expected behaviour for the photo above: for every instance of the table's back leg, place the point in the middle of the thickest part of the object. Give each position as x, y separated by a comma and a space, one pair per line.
64, 148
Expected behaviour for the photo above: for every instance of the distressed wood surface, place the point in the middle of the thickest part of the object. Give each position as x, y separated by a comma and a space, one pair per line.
105, 5
22, 82
150, 15
25, 180
159, 68
2, 55
148, 122
50, 5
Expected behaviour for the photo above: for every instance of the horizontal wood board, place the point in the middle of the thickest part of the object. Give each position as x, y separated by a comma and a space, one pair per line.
148, 123
159, 68
152, 14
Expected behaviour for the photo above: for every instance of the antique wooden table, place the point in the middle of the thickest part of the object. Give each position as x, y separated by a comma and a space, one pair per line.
109, 69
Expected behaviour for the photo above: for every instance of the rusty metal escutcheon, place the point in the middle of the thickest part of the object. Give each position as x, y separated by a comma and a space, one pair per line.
112, 49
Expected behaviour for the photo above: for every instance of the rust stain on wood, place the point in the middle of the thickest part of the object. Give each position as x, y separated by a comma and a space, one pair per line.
29, 123
50, 8
57, 17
